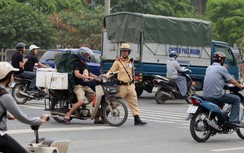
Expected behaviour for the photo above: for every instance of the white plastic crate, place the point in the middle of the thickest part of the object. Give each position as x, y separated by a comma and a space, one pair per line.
50, 79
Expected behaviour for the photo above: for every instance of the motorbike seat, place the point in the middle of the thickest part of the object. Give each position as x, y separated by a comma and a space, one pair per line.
215, 101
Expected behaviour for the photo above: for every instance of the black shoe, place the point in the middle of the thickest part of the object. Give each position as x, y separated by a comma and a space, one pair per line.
138, 121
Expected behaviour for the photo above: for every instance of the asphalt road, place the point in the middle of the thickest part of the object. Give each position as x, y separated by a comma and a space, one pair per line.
167, 131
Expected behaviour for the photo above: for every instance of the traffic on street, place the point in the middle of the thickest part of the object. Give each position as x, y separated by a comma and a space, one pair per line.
167, 131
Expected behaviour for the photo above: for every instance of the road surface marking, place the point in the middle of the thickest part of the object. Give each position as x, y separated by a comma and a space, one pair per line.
228, 149
59, 129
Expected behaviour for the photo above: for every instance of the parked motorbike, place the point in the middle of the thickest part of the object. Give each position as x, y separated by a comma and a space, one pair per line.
46, 145
209, 117
19, 90
107, 104
166, 89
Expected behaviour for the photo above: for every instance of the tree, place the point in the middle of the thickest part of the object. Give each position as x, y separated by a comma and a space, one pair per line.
19, 23
228, 19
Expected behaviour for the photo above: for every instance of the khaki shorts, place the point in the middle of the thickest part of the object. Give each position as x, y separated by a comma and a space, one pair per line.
83, 92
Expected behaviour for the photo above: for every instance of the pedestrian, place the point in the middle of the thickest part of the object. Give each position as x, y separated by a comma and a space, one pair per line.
19, 63
10, 110
126, 81
32, 59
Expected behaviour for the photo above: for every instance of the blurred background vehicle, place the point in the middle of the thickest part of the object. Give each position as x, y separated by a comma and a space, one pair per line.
48, 58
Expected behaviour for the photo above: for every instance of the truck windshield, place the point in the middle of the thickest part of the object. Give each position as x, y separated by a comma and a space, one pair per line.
229, 55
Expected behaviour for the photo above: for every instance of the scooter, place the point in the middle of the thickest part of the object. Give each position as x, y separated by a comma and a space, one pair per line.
106, 104
209, 117
19, 90
45, 145
166, 89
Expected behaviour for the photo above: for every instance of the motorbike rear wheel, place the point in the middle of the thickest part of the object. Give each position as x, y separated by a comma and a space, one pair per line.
16, 93
199, 129
160, 97
115, 113
58, 110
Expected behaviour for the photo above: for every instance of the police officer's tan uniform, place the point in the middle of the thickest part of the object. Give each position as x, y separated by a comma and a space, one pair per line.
127, 87
126, 82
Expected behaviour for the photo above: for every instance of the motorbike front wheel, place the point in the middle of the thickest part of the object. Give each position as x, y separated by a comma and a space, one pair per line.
199, 129
190, 93
115, 113
16, 93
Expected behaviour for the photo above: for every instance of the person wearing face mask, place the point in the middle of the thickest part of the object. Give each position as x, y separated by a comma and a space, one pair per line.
215, 78
32, 59
10, 110
126, 81
19, 62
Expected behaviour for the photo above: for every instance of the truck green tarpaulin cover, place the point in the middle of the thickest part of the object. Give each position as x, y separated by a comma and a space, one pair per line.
127, 26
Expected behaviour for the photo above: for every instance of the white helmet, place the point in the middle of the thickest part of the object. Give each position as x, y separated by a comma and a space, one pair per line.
33, 47
5, 68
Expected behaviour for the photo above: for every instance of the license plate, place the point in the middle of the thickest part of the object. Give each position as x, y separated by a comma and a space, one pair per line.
12, 84
155, 89
192, 109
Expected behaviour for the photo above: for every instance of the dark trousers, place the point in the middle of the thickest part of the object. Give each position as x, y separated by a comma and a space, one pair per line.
9, 145
30, 75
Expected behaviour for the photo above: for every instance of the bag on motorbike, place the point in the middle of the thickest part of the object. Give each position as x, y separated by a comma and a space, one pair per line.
64, 64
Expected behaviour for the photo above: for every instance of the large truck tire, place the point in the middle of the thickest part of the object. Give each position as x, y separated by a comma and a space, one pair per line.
139, 91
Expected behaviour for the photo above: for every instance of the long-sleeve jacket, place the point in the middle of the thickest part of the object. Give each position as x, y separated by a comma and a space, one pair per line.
7, 103
172, 68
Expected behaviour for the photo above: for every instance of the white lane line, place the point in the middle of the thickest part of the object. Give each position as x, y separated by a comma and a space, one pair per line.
59, 129
228, 149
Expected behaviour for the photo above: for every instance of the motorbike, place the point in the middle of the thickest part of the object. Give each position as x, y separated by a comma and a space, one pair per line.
166, 89
46, 145
209, 117
19, 90
106, 104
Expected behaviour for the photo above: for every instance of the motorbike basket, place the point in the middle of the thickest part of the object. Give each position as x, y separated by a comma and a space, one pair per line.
111, 88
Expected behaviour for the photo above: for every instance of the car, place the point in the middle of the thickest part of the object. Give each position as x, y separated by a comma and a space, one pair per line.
48, 58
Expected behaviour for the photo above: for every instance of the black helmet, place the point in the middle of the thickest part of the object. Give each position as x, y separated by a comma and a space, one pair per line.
173, 54
219, 56
20, 45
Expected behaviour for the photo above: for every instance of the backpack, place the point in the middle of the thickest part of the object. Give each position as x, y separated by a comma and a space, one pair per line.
64, 64
2, 92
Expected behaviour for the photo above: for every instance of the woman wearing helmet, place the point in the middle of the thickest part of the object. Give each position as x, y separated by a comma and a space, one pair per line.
32, 59
215, 78
173, 67
10, 110
82, 78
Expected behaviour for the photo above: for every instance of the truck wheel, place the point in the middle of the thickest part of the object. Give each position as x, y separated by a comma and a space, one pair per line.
139, 91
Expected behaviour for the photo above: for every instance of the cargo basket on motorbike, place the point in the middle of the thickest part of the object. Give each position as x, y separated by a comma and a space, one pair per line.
111, 86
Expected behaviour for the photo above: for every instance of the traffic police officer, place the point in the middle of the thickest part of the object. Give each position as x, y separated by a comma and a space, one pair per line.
126, 81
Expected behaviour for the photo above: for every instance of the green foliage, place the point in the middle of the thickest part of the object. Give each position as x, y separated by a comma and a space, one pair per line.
19, 23
228, 19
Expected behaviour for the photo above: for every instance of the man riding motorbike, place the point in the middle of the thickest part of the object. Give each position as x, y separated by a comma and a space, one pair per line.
82, 78
215, 78
172, 72
19, 62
